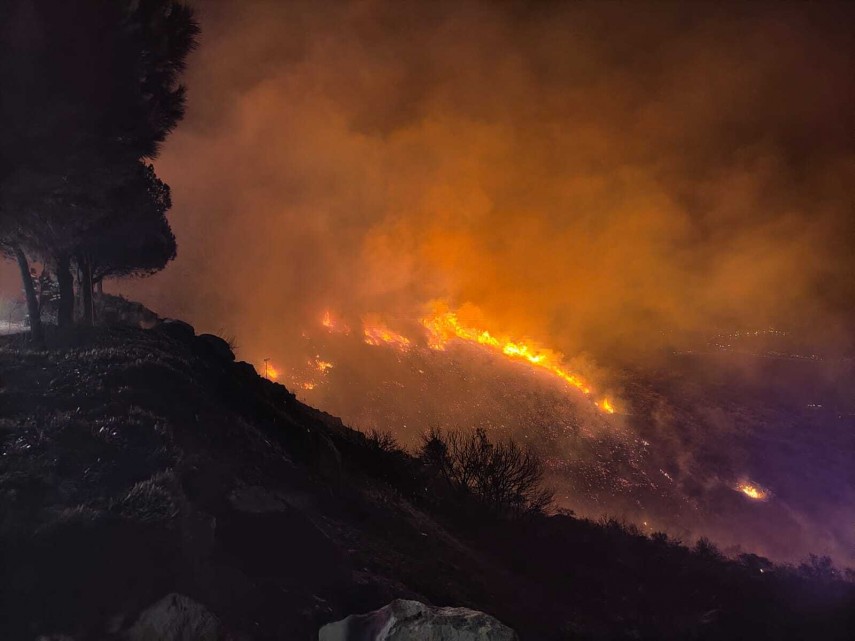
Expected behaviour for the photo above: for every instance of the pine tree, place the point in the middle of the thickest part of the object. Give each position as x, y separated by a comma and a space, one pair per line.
87, 89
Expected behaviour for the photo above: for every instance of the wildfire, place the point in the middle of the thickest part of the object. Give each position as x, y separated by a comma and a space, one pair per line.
270, 372
334, 325
377, 333
443, 325
322, 366
606, 406
752, 491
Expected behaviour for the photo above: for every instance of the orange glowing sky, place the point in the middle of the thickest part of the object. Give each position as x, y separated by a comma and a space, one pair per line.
599, 176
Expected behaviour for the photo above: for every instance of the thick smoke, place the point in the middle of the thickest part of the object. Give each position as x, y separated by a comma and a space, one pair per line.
600, 176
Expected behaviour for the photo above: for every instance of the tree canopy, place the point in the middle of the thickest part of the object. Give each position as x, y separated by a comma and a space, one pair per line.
89, 89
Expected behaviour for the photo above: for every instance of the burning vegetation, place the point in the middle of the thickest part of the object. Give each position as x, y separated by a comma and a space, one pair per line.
442, 326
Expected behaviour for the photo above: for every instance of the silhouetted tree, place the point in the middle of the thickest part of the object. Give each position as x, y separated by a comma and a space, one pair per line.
87, 88
140, 242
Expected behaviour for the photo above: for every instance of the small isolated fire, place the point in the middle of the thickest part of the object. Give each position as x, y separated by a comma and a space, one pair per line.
752, 491
270, 372
443, 325
606, 406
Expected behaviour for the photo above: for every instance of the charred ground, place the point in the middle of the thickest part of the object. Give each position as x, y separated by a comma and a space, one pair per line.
140, 462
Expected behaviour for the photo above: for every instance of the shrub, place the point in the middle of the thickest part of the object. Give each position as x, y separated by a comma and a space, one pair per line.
819, 568
502, 478
707, 550
383, 441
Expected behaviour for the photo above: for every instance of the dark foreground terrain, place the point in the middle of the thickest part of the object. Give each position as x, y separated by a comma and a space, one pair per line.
135, 463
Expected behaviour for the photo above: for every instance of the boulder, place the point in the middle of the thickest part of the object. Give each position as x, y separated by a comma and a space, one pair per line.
176, 618
177, 329
404, 620
217, 346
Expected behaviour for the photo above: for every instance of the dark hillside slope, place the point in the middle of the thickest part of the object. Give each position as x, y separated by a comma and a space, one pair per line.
136, 463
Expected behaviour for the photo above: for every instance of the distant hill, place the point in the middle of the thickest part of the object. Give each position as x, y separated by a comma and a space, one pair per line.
139, 462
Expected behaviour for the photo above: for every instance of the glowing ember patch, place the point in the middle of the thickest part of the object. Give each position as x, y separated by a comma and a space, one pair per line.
443, 325
307, 386
323, 366
380, 334
752, 491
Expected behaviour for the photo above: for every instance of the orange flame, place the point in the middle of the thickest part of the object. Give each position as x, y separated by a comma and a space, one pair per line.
334, 324
270, 372
606, 406
377, 333
753, 491
443, 325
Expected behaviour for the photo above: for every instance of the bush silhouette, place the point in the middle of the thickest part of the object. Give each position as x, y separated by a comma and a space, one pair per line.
502, 478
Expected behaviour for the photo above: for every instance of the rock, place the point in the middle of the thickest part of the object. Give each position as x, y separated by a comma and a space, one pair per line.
245, 370
176, 618
217, 346
177, 329
117, 310
404, 620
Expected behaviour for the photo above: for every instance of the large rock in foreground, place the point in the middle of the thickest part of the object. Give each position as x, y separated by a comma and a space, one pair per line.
409, 620
176, 618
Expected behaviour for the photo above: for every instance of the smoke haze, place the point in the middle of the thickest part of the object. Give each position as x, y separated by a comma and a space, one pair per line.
606, 179
588, 174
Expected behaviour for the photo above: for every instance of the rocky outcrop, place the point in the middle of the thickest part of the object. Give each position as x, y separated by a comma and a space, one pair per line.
177, 329
406, 620
176, 618
217, 346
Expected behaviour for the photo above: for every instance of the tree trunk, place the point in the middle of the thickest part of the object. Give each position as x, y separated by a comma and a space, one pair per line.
33, 310
86, 292
65, 314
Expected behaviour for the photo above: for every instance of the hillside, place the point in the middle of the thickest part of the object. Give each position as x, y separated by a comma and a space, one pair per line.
138, 462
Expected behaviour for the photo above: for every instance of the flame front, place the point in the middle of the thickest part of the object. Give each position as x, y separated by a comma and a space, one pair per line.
377, 333
443, 325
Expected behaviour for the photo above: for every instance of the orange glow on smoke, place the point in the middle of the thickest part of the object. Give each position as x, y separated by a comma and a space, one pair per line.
752, 491
443, 325
377, 333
